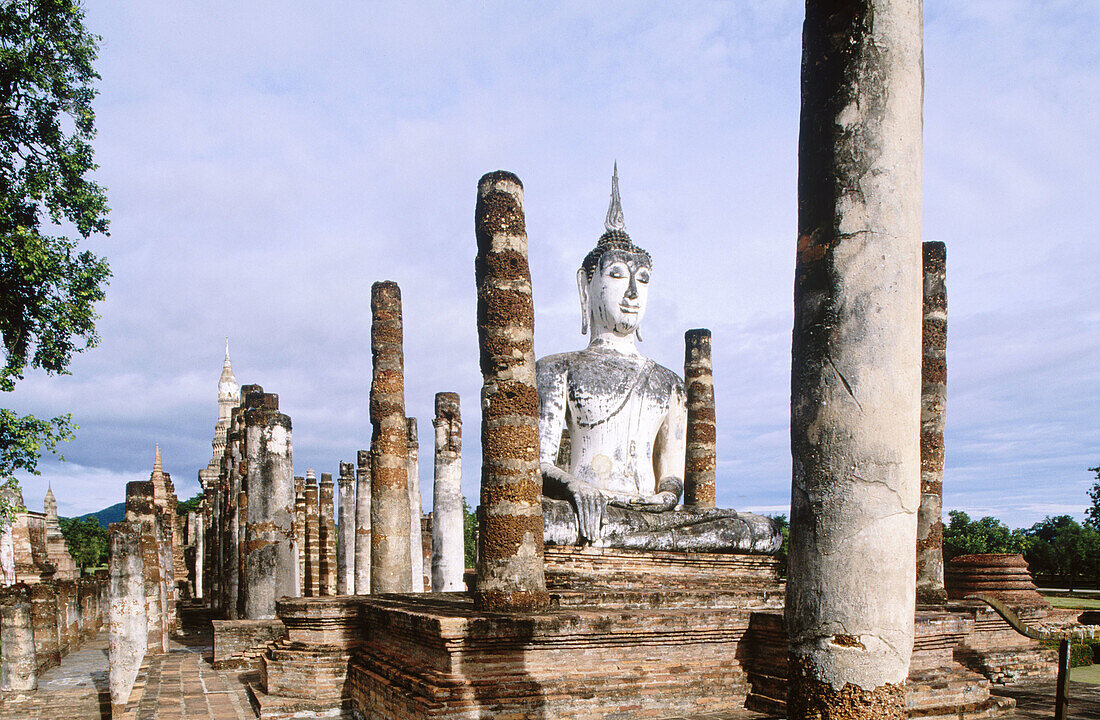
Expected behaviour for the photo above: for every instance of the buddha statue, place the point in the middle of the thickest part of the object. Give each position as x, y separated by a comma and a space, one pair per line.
625, 419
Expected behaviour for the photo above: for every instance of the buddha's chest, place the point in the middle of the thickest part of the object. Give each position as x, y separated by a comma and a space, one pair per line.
627, 397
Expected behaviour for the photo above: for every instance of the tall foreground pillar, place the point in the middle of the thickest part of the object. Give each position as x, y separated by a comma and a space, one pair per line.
448, 538
416, 542
18, 660
855, 374
390, 569
269, 566
933, 411
126, 609
345, 540
510, 574
702, 457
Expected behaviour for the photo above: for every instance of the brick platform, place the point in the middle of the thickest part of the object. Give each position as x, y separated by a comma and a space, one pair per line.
240, 643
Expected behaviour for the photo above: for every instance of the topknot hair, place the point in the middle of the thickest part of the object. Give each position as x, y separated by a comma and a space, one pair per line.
611, 240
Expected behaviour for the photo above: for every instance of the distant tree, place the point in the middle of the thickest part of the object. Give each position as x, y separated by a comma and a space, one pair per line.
963, 536
781, 556
1061, 546
87, 541
47, 288
191, 504
469, 532
1092, 515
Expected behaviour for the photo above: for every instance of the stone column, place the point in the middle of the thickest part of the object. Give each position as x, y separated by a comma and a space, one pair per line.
47, 639
270, 566
18, 661
345, 539
448, 538
126, 620
141, 510
236, 478
702, 458
416, 544
200, 548
389, 511
313, 539
361, 562
933, 412
327, 537
510, 549
855, 372
300, 534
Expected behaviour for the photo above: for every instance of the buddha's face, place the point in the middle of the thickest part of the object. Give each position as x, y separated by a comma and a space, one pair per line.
618, 291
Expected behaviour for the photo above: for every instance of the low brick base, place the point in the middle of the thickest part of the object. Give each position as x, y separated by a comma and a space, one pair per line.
240, 643
998, 652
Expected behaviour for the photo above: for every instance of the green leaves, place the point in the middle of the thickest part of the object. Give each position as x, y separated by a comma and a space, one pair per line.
47, 288
1092, 515
87, 541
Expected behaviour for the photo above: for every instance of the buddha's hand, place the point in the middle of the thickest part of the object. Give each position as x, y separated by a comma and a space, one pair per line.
591, 506
660, 502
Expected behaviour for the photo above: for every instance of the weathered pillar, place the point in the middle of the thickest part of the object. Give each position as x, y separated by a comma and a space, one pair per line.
345, 539
702, 458
313, 539
362, 522
416, 543
327, 537
126, 619
448, 538
200, 549
18, 662
270, 566
300, 534
855, 373
47, 638
933, 412
389, 511
510, 567
141, 510
236, 480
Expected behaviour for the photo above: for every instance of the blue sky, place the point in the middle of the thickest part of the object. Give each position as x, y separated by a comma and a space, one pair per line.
266, 162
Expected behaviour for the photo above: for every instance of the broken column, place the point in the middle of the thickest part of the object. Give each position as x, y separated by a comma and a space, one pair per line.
362, 522
933, 410
416, 545
141, 510
702, 458
327, 536
270, 562
312, 587
510, 572
389, 510
18, 661
300, 534
448, 538
855, 373
126, 619
345, 540
200, 549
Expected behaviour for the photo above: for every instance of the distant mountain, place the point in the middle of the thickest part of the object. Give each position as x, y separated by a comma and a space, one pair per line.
108, 515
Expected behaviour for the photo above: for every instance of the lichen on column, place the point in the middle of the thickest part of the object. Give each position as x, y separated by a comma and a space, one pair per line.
391, 568
510, 573
855, 372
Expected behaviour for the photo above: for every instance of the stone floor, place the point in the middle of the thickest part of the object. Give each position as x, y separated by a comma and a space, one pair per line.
182, 685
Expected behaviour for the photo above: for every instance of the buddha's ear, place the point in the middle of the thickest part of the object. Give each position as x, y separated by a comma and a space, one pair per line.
638, 334
582, 289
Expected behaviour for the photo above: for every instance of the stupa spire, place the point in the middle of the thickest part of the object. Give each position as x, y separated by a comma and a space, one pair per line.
614, 219
157, 469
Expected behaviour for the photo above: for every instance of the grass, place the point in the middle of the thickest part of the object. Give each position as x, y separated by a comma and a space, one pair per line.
1076, 603
1086, 674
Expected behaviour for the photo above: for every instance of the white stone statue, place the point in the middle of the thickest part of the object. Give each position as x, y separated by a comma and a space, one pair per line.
627, 424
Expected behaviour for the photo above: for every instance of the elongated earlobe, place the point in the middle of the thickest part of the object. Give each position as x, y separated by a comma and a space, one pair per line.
638, 334
582, 290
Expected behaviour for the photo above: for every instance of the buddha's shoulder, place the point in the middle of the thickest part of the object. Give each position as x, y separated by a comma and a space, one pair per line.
666, 378
559, 363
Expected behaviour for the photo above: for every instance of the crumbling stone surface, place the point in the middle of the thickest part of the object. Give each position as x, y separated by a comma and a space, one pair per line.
933, 411
855, 373
390, 566
448, 539
702, 458
510, 544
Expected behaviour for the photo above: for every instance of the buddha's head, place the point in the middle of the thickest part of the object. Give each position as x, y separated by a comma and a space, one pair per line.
613, 280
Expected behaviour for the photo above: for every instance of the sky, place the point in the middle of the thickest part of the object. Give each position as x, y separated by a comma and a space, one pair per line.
266, 162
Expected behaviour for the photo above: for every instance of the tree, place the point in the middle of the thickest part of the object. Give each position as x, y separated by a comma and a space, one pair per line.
1092, 515
87, 541
784, 526
469, 533
963, 536
47, 288
190, 504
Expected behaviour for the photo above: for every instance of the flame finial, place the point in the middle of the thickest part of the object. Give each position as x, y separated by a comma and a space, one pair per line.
614, 219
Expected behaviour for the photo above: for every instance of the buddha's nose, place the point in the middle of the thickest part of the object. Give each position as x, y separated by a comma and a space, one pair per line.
632, 288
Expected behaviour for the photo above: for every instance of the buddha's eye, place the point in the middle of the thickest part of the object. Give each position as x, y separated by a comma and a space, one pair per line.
617, 271
642, 277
